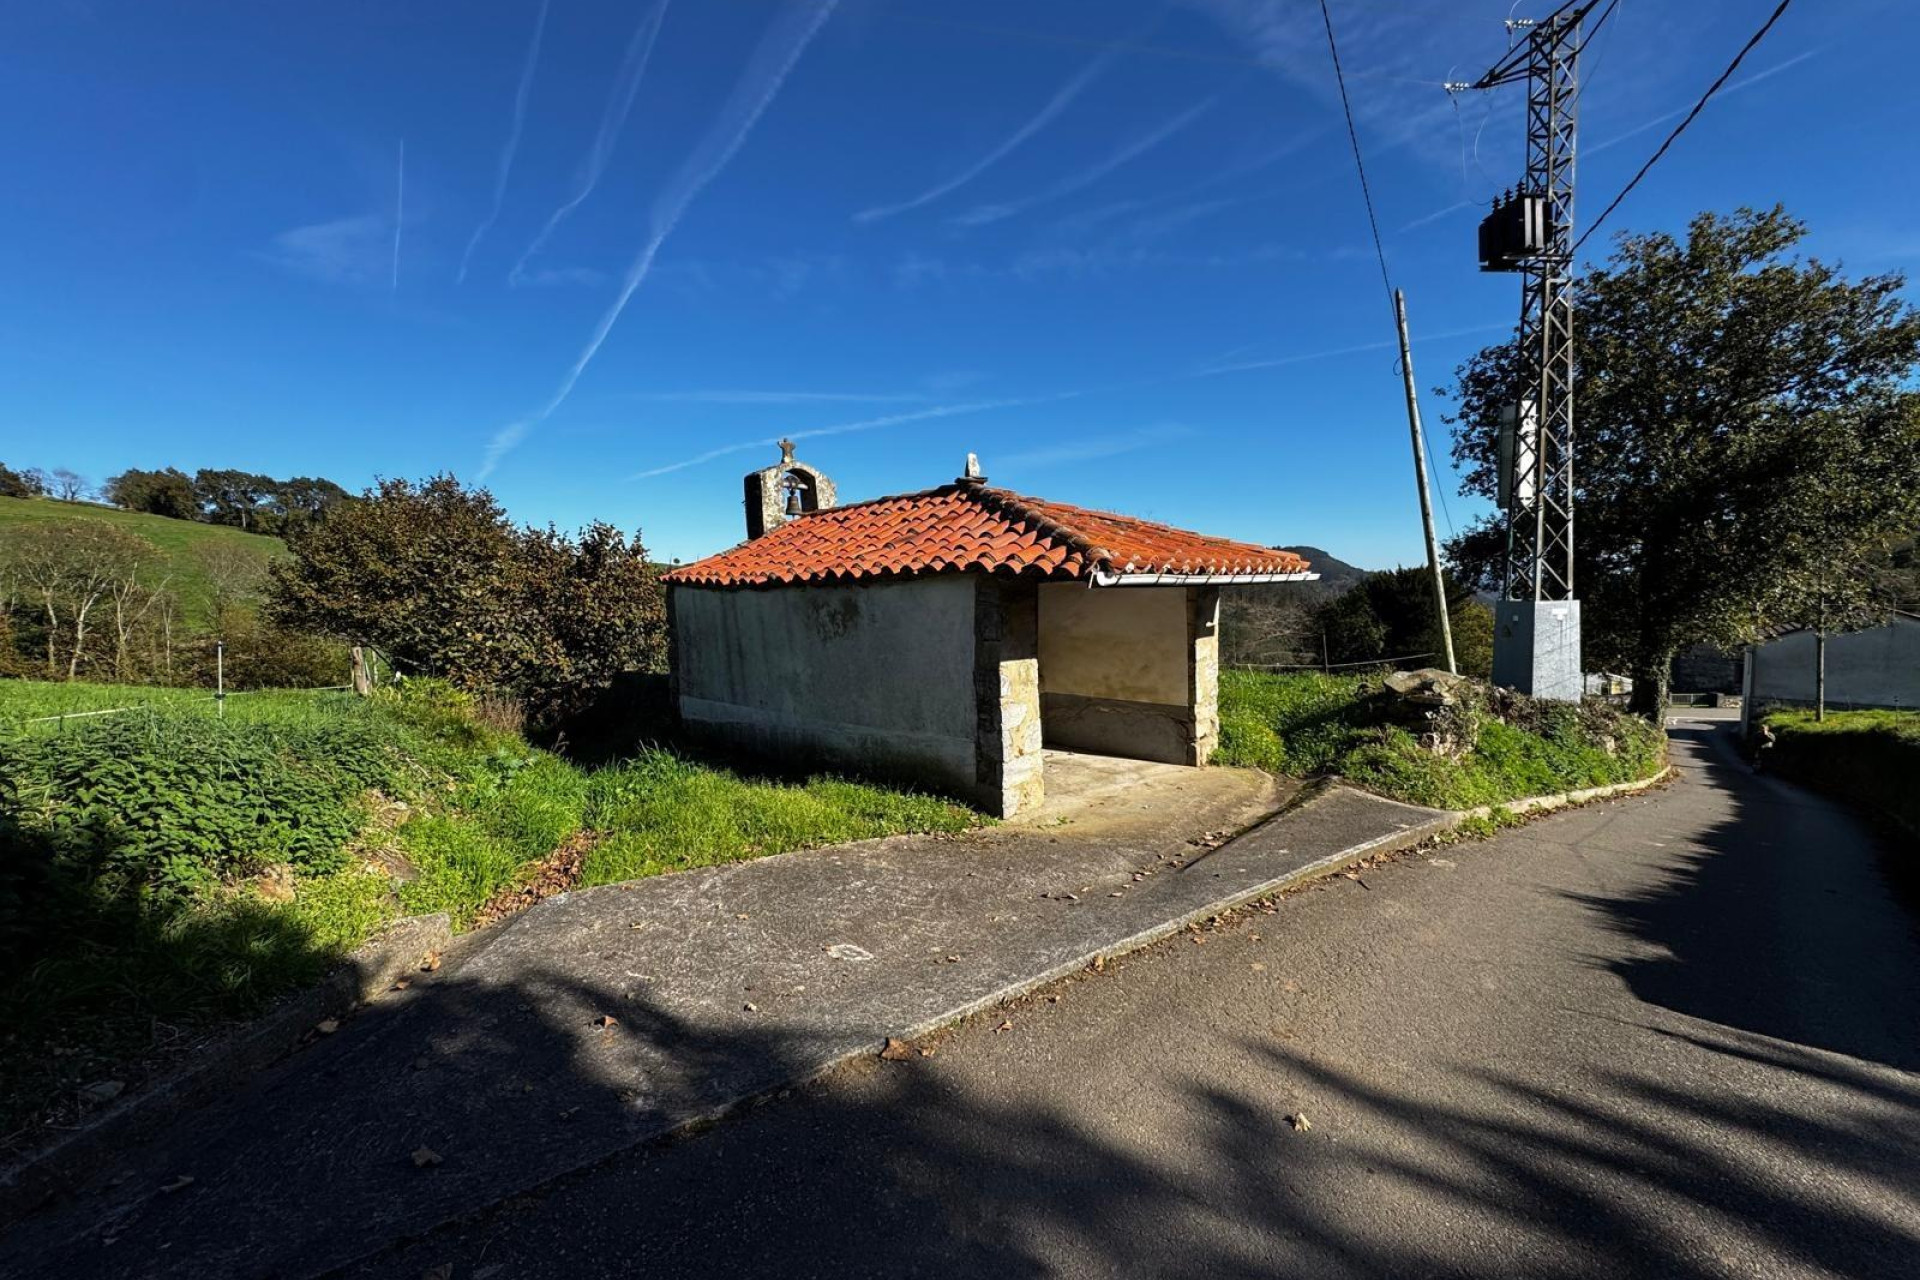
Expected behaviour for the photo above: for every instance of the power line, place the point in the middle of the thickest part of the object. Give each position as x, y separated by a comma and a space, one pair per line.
1680, 128
1353, 136
1366, 194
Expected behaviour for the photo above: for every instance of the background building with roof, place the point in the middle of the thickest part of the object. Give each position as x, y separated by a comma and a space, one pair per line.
1873, 667
948, 638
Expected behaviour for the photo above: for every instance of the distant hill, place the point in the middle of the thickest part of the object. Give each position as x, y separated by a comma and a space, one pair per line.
180, 544
1336, 575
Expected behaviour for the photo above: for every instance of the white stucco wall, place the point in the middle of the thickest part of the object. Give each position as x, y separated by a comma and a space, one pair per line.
1126, 643
880, 677
1879, 667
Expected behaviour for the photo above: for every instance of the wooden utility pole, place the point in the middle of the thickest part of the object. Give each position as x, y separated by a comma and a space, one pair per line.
1420, 476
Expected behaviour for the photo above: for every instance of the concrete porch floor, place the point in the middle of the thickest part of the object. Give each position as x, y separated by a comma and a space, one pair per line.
1146, 804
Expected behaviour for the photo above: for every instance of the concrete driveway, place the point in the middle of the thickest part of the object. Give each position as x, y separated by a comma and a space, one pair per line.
1676, 1035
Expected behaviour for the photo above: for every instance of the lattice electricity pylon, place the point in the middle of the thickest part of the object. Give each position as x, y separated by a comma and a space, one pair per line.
1531, 232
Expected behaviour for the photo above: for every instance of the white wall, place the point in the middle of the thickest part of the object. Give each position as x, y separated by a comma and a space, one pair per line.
1879, 667
880, 676
1125, 643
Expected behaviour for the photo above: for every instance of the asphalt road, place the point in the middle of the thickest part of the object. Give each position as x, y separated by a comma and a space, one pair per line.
1674, 1036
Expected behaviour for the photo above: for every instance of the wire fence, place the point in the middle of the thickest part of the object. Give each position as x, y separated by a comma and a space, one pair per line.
1326, 667
219, 698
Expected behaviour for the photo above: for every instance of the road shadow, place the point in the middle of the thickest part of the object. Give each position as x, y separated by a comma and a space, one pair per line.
1788, 919
517, 1128
906, 1170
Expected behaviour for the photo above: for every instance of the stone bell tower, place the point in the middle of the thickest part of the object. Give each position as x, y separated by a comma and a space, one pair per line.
787, 489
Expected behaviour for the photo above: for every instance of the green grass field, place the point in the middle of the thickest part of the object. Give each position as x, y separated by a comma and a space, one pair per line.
165, 867
178, 542
23, 701
1308, 725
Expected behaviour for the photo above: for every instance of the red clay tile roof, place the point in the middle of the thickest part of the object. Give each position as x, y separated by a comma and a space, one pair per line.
969, 527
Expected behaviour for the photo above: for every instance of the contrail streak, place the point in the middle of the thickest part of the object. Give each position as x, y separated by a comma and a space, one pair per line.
1735, 87
399, 210
1087, 177
513, 142
1055, 105
613, 118
864, 424
779, 50
983, 406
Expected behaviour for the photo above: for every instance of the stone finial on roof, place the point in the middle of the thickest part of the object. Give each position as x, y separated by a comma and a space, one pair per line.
972, 473
786, 451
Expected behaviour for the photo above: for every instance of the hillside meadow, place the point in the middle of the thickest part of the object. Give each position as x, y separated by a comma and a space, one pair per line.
181, 546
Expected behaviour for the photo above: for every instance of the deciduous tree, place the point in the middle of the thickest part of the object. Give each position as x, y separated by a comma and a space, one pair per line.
1747, 430
166, 492
67, 567
439, 579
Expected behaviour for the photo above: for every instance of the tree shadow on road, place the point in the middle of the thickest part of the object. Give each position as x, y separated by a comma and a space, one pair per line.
1789, 920
513, 1127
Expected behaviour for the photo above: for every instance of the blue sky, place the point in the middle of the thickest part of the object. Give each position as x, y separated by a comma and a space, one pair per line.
1115, 248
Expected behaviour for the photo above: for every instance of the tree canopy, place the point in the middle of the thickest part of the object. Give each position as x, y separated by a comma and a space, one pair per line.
436, 576
1748, 439
243, 499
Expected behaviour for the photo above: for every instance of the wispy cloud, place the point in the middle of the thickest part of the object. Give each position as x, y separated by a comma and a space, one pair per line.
1735, 87
505, 166
984, 214
767, 70
577, 277
1428, 219
844, 428
733, 396
1040, 120
399, 210
342, 251
1073, 451
1307, 357
1095, 448
613, 118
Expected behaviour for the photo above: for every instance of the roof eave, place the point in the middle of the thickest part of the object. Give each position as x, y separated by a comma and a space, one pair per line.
1104, 578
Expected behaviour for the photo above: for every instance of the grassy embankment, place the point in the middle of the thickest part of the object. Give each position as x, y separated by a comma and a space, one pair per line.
1870, 757
1496, 748
164, 869
180, 545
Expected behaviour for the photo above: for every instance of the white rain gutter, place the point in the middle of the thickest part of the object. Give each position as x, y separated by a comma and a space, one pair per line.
1102, 578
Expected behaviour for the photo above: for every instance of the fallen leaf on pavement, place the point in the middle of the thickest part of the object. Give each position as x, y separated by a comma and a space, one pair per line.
605, 1021
431, 962
425, 1157
751, 1007
896, 1050
1300, 1122
1005, 1026
180, 1183
327, 1026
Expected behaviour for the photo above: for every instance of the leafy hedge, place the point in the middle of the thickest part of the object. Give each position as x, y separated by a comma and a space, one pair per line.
1869, 756
1492, 747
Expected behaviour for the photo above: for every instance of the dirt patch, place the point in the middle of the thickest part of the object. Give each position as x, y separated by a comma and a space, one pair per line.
556, 873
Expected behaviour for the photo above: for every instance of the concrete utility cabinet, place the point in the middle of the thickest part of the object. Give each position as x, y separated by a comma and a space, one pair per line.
1536, 647
947, 638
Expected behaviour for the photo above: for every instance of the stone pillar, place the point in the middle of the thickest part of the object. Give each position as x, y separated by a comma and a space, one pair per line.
1203, 671
1006, 681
